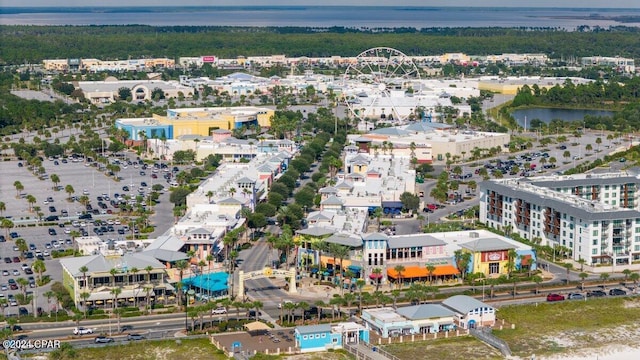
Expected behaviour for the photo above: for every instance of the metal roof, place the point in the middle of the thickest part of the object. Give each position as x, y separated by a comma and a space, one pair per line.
313, 329
463, 304
487, 244
424, 311
345, 239
402, 241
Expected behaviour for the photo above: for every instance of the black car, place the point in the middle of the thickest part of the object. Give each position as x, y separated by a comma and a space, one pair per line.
23, 311
52, 232
28, 271
617, 292
596, 293
125, 188
14, 235
2, 239
13, 328
7, 260
103, 340
52, 218
52, 209
131, 337
85, 217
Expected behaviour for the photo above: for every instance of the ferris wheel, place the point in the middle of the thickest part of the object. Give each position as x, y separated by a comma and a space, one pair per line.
380, 84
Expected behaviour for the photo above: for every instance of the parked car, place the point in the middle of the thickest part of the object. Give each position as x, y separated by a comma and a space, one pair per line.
82, 331
124, 328
596, 293
555, 297
132, 337
103, 340
617, 292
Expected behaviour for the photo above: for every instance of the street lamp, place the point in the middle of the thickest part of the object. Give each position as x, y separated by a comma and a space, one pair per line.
186, 308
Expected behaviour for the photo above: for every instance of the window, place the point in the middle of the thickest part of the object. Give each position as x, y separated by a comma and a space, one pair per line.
494, 268
594, 251
323, 336
317, 336
304, 337
595, 232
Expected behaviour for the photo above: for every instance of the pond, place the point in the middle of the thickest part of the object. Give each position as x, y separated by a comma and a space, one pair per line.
548, 114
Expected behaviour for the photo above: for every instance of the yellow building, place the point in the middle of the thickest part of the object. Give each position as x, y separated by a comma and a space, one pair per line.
202, 121
489, 256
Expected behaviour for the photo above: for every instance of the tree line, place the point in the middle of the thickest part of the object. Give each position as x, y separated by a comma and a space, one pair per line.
35, 43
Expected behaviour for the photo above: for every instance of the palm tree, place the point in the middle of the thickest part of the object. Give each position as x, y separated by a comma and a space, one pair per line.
569, 267
430, 270
39, 267
378, 275
6, 224
148, 269
147, 290
84, 270
209, 195
22, 246
69, 190
319, 305
201, 265
634, 277
113, 273
604, 277
257, 305
19, 187
399, 269
31, 200
3, 208
181, 265
134, 270
583, 276
84, 296
116, 292
55, 179
74, 234
537, 279
289, 307
581, 261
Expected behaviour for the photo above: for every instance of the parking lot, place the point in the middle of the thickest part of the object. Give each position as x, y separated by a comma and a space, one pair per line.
87, 180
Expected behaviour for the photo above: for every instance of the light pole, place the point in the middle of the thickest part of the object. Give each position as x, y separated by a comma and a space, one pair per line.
186, 309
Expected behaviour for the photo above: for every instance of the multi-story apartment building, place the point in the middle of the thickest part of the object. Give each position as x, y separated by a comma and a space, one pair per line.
595, 216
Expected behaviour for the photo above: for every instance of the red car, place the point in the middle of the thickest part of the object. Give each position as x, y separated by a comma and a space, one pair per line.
555, 297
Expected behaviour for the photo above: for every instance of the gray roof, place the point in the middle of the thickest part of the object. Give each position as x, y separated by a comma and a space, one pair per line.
230, 201
390, 131
332, 200
199, 231
420, 127
245, 180
320, 215
402, 241
345, 239
600, 181
359, 159
345, 185
424, 311
362, 139
313, 329
487, 244
166, 255
166, 242
463, 304
328, 190
100, 263
375, 236
557, 204
316, 231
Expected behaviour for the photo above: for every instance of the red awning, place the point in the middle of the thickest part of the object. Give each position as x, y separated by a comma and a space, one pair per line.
375, 276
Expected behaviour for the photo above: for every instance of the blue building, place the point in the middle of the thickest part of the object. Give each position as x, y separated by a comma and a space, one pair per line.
151, 128
323, 337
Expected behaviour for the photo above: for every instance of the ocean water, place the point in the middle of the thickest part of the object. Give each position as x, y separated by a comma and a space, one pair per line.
322, 16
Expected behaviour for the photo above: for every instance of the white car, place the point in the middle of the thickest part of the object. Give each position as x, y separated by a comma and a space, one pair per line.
67, 231
219, 311
82, 331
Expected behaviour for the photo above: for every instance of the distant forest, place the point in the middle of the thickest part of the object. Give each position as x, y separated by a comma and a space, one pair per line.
32, 44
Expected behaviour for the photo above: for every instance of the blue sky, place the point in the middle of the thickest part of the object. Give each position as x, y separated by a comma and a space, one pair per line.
505, 3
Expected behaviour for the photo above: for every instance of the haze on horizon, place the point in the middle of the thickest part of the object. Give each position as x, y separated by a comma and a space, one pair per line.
439, 3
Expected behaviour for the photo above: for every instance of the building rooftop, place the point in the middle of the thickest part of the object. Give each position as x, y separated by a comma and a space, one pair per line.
424, 311
463, 304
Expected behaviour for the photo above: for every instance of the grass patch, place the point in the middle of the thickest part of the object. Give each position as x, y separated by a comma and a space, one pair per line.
186, 349
568, 325
463, 348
